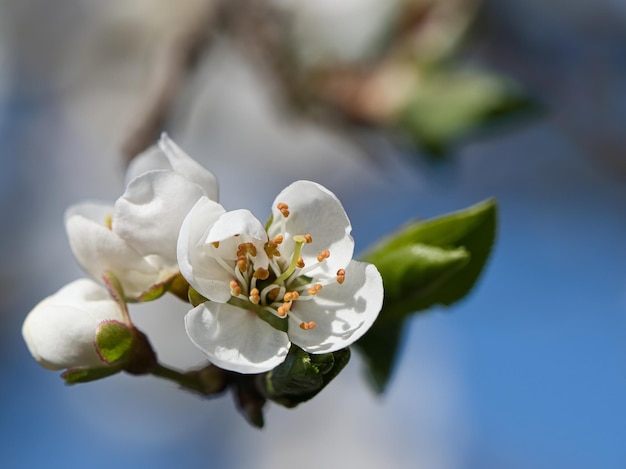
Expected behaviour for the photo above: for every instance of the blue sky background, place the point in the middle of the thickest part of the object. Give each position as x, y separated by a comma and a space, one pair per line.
527, 372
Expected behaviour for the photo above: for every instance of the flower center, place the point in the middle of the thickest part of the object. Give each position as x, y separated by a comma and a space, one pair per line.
284, 282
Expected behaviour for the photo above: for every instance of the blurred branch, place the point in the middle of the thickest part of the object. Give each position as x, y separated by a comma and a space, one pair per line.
180, 57
403, 86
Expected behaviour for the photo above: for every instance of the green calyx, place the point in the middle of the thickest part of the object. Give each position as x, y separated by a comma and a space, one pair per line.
114, 342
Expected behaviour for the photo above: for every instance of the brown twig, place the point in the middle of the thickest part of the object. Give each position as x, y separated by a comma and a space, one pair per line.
180, 57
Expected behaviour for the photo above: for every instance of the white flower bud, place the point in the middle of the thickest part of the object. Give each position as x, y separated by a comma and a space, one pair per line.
60, 331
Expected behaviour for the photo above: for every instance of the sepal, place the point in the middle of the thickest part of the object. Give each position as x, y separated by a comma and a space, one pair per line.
302, 375
195, 298
114, 342
179, 287
86, 375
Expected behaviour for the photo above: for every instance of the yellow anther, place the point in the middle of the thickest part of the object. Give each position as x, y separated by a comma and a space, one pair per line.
291, 296
283, 208
278, 239
308, 238
273, 294
314, 289
261, 273
108, 221
300, 263
271, 249
216, 244
307, 326
254, 298
284, 309
341, 276
246, 248
242, 263
325, 254
235, 289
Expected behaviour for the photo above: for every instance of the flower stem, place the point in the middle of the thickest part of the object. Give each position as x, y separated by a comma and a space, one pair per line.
207, 381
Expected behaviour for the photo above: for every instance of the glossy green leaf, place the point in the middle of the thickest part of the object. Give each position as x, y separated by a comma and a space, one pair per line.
465, 239
302, 375
412, 272
424, 264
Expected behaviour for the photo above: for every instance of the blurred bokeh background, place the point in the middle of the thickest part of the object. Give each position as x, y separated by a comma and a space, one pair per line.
527, 372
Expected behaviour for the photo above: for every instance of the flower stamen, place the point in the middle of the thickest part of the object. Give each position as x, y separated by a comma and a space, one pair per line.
291, 296
235, 288
341, 276
283, 208
271, 248
261, 273
255, 298
271, 292
325, 254
307, 326
246, 248
284, 309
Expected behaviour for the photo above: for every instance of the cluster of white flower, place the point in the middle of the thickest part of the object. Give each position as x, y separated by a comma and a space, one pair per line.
256, 288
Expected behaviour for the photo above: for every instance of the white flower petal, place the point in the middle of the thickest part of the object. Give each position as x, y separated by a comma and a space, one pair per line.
315, 210
149, 160
202, 271
342, 313
60, 330
188, 167
150, 213
236, 339
81, 291
98, 249
166, 155
236, 227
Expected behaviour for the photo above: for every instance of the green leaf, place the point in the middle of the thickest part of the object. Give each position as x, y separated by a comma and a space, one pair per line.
380, 347
428, 263
448, 104
459, 243
302, 375
85, 375
412, 272
114, 341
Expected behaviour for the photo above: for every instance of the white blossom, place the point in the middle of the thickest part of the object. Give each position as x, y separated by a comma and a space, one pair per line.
135, 239
60, 331
298, 271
